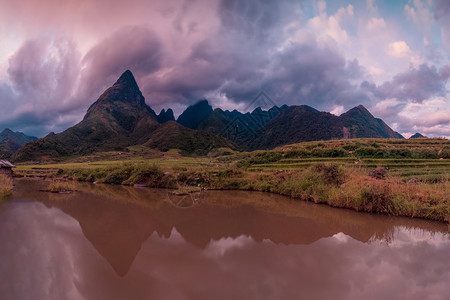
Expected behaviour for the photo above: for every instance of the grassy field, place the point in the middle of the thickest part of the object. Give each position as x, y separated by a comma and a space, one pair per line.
396, 177
427, 160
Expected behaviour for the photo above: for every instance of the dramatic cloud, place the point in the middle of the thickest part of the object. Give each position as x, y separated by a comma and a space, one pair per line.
442, 15
135, 48
414, 85
43, 74
55, 60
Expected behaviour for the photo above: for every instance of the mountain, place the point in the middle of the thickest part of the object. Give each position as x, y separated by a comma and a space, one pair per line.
195, 114
417, 135
238, 127
304, 123
165, 116
297, 124
118, 119
359, 122
172, 135
121, 118
11, 141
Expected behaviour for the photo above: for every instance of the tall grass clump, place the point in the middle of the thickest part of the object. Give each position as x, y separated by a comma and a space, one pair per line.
312, 184
149, 175
6, 186
61, 186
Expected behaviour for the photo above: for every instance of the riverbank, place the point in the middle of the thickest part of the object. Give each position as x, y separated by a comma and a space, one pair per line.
340, 186
384, 176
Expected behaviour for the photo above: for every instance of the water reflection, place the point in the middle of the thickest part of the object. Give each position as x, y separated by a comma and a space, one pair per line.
122, 243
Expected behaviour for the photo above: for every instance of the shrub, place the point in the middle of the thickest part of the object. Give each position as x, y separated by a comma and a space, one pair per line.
370, 152
330, 174
148, 174
118, 175
312, 184
445, 153
297, 153
350, 147
260, 158
376, 198
426, 153
334, 152
399, 153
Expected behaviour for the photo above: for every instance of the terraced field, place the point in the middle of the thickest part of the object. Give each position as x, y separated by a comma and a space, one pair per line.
430, 170
363, 153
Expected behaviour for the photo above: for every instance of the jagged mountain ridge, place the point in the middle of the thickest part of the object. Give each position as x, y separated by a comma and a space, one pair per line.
303, 123
283, 125
121, 118
236, 126
165, 116
195, 114
118, 119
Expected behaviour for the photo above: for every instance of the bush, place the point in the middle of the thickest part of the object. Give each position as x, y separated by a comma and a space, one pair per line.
400, 153
118, 175
370, 152
445, 153
312, 184
376, 198
297, 153
148, 174
426, 153
260, 158
330, 174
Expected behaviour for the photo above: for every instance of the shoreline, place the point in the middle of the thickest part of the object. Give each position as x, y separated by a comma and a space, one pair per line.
331, 184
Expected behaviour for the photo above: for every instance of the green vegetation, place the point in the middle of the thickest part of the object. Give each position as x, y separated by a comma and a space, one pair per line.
408, 178
423, 159
6, 187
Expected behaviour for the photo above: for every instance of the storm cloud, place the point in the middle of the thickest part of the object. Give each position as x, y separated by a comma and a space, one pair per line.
297, 52
416, 84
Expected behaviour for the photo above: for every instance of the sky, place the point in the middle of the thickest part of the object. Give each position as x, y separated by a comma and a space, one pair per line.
58, 56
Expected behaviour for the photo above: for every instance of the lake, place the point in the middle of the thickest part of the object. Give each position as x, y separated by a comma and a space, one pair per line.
117, 242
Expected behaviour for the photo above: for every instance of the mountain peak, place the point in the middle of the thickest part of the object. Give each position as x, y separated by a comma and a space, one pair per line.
165, 116
360, 109
194, 114
126, 78
7, 131
417, 135
124, 90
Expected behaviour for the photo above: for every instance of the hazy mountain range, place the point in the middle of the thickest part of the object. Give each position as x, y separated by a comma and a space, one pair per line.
11, 141
121, 118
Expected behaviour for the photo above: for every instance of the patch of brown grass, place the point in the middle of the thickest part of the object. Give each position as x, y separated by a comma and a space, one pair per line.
61, 187
6, 186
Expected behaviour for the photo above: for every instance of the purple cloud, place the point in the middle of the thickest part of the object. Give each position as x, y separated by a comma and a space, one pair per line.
416, 84
136, 48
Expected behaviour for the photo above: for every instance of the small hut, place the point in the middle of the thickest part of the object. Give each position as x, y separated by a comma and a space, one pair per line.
6, 167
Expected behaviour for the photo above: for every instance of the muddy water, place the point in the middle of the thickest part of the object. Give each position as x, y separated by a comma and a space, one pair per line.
114, 242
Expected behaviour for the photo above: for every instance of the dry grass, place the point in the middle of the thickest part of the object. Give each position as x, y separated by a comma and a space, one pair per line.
57, 186
393, 196
6, 186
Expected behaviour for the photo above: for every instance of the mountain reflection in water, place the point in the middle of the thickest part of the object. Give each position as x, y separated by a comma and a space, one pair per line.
114, 242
